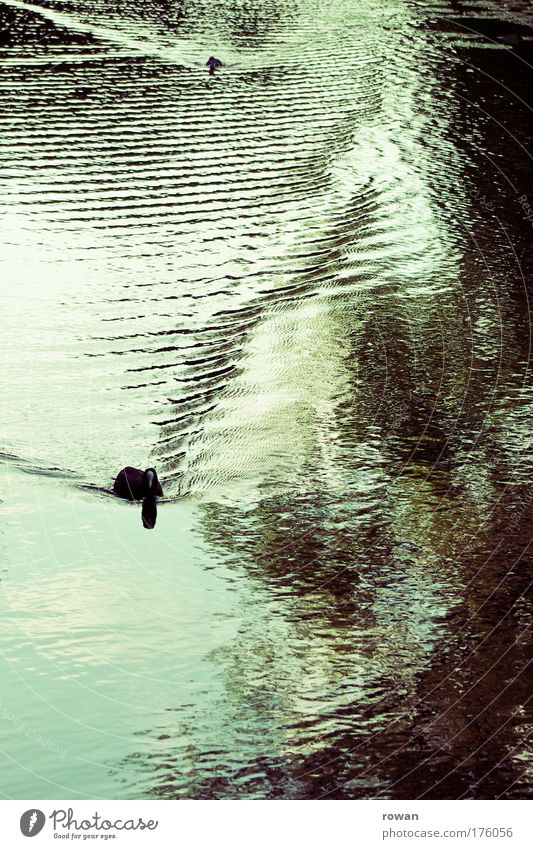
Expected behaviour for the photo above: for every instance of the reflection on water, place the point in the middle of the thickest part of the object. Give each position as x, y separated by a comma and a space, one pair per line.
299, 287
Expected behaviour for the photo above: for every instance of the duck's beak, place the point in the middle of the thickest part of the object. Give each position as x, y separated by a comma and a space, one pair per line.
150, 479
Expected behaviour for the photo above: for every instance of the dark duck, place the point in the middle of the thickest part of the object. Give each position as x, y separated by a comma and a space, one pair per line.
213, 63
136, 485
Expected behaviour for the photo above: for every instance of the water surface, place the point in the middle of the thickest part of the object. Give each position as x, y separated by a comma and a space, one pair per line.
300, 288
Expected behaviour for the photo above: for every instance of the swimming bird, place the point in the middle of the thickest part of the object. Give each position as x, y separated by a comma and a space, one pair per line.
213, 63
135, 484
512, 39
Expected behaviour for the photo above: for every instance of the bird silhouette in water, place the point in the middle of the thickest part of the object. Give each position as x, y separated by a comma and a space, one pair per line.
213, 63
136, 485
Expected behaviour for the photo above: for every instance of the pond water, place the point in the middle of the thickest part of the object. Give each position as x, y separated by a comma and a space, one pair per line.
299, 288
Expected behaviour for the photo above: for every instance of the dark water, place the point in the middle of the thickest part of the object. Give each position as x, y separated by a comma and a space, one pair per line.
300, 288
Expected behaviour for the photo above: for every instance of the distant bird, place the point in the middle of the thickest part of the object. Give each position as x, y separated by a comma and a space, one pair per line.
136, 485
513, 39
213, 63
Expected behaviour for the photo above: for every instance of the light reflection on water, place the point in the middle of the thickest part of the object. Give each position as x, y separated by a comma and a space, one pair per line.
299, 288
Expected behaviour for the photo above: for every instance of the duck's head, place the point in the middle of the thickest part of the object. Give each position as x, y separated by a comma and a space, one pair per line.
150, 481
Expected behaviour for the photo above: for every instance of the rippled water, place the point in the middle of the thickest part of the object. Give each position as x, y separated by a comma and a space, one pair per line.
300, 288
